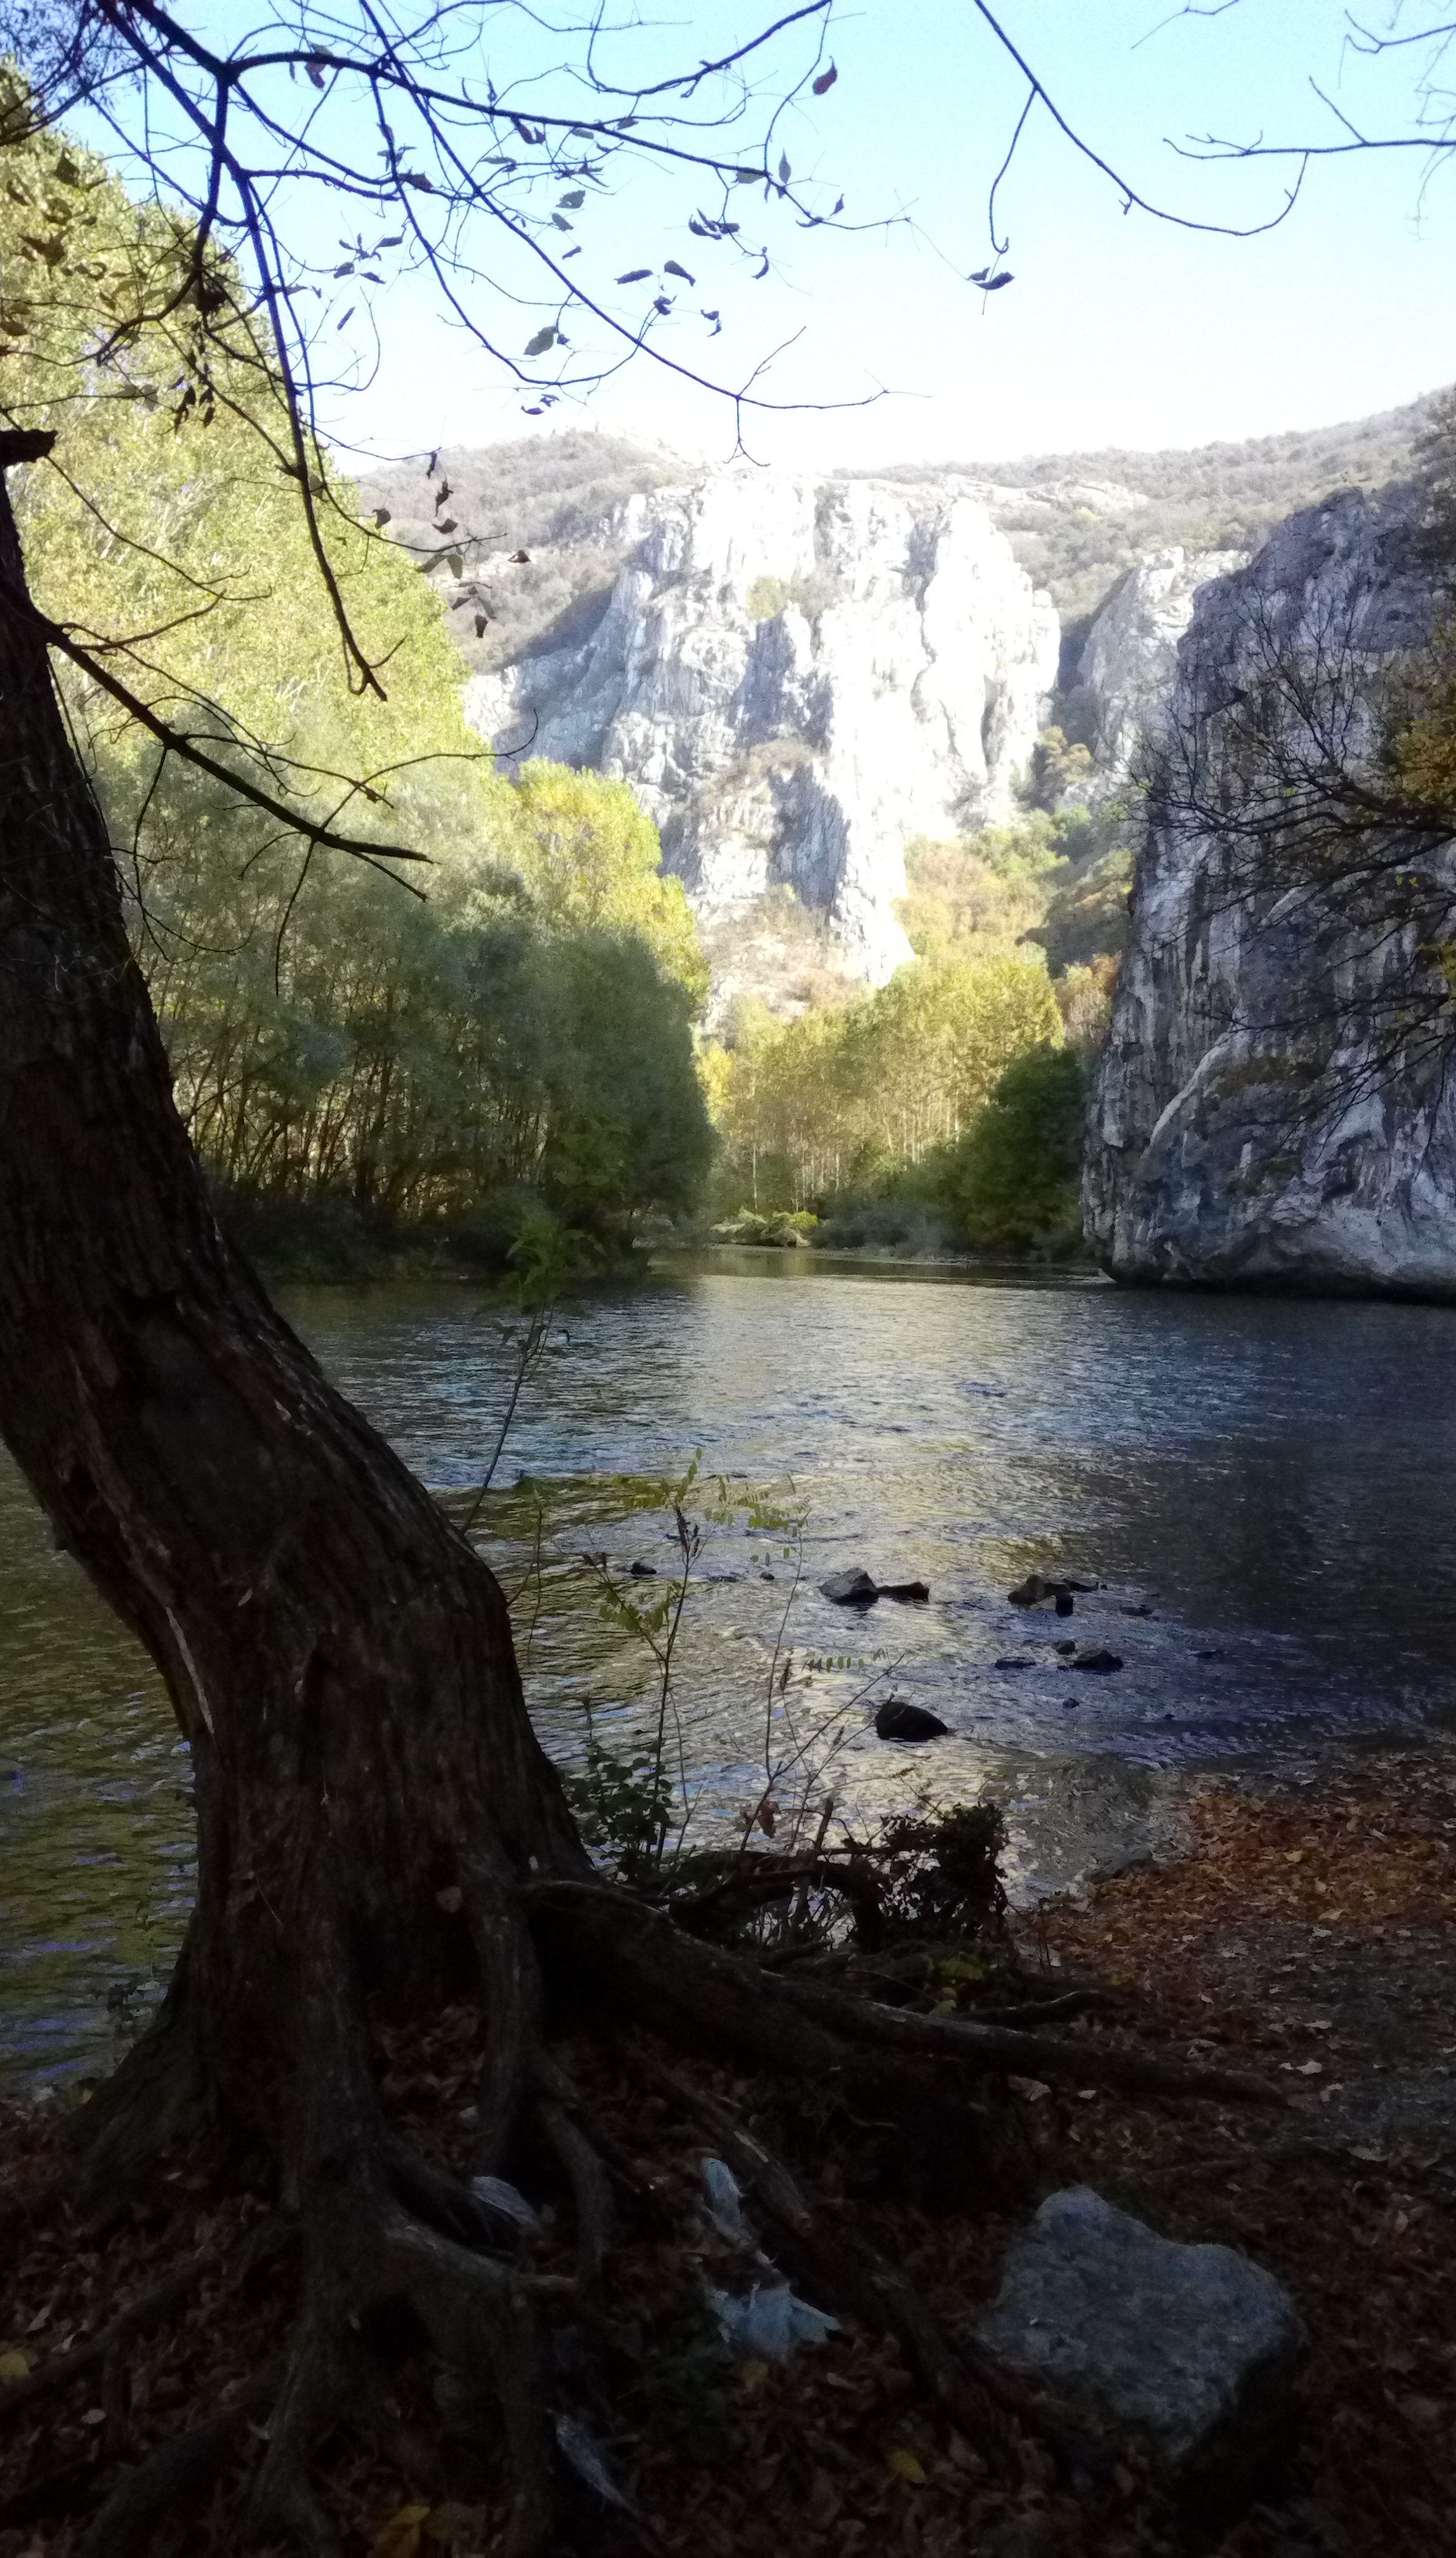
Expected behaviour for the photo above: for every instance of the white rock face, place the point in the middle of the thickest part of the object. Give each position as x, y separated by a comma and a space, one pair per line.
1130, 658
797, 677
1270, 1108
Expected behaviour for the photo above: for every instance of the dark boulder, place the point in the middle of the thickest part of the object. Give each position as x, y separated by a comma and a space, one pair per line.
1031, 1592
851, 1589
897, 1720
1095, 1657
905, 1590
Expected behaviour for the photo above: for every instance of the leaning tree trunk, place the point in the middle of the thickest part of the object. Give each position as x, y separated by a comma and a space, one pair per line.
340, 1659
379, 1831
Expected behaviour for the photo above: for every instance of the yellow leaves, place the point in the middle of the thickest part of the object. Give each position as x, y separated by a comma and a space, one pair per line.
904, 2465
884, 1077
400, 2536
593, 856
14, 2365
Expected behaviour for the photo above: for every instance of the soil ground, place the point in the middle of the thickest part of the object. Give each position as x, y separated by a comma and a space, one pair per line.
1306, 1934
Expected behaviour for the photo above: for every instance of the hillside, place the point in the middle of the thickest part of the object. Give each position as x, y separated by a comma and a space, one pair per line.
1076, 521
548, 495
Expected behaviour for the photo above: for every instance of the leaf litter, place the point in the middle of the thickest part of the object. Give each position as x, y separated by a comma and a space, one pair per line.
1304, 1930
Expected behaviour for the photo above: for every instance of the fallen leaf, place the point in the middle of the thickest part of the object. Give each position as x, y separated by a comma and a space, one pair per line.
400, 2537
902, 2464
14, 2365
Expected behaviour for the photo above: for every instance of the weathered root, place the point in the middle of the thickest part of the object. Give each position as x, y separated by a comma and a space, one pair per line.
591, 2189
309, 2407
842, 2269
709, 1996
510, 1997
173, 2480
152, 2104
764, 1878
399, 2251
145, 2311
480, 2316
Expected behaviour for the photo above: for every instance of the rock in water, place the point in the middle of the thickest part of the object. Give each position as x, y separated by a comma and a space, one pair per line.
782, 672
912, 1590
1034, 1589
899, 1720
1094, 1657
1192, 2349
1029, 1592
851, 1589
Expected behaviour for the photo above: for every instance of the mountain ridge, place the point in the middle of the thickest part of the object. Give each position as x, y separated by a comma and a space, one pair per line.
1077, 522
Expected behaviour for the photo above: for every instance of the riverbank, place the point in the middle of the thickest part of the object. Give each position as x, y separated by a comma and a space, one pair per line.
1304, 1933
1309, 1932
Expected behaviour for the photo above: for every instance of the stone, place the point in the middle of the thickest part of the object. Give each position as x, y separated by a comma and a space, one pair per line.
1029, 1592
1208, 1163
1034, 1589
1192, 2348
852, 1589
1094, 1657
798, 676
897, 1720
914, 1591
1129, 659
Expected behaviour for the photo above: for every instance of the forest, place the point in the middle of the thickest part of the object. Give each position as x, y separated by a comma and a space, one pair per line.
368, 1054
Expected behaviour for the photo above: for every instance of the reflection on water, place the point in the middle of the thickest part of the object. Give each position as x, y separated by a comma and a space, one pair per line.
1270, 1479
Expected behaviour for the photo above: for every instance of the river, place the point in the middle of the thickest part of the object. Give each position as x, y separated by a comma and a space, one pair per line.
1273, 1480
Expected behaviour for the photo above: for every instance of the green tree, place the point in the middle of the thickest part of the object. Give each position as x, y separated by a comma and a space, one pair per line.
592, 855
1012, 1182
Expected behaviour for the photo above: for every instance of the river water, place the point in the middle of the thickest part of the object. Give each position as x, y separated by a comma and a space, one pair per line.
1273, 1480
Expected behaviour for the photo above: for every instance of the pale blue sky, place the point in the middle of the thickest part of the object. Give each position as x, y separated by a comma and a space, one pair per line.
1118, 329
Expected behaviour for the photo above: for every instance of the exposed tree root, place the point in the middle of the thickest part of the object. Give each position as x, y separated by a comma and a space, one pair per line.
389, 2233
166, 2488
82, 2359
713, 1996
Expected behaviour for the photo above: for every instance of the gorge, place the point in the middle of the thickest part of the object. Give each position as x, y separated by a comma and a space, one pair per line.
801, 677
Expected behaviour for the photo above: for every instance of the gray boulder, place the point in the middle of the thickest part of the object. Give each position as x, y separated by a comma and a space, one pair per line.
852, 1589
1192, 2349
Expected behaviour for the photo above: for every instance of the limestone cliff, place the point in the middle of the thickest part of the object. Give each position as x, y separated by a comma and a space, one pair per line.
799, 677
1261, 1115
1130, 663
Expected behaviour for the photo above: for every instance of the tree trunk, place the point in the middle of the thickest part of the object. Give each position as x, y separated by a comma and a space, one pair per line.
378, 1830
339, 1658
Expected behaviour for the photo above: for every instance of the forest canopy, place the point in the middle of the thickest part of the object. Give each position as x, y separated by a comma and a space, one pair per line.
518, 1033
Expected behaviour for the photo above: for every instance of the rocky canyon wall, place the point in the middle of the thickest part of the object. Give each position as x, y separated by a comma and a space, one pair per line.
799, 677
1270, 1108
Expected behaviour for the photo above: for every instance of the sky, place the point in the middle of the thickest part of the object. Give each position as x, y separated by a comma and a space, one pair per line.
1118, 329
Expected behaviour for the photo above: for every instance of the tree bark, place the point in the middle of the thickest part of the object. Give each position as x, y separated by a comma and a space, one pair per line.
338, 1658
